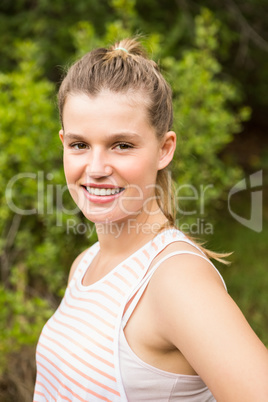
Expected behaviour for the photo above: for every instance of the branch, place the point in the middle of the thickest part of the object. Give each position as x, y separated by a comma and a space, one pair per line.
5, 257
13, 230
246, 27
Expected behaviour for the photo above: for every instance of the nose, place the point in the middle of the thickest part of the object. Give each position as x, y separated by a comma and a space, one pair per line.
98, 165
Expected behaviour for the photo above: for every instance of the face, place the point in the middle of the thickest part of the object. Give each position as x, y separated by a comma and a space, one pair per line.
112, 156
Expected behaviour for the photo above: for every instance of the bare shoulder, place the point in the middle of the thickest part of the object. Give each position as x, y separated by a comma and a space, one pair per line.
196, 315
185, 281
76, 263
184, 288
186, 263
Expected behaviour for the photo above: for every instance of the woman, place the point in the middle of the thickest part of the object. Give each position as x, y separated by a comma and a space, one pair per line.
146, 316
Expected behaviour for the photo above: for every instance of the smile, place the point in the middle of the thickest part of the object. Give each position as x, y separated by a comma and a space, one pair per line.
103, 191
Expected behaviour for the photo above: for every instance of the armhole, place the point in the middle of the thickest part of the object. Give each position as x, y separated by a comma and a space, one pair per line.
132, 303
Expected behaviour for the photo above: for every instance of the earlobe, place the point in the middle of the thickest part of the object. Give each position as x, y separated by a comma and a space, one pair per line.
61, 134
167, 149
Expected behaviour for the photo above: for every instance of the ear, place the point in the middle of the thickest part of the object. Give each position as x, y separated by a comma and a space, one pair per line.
167, 149
61, 135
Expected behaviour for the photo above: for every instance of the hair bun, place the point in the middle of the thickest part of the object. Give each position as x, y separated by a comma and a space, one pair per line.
128, 46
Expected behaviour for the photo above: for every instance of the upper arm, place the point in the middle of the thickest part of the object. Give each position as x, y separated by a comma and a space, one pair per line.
75, 264
199, 317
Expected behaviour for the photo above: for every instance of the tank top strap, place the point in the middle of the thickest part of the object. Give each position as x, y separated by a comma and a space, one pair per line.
144, 283
85, 261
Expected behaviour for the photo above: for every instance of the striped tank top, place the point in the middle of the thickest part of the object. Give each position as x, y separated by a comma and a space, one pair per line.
77, 354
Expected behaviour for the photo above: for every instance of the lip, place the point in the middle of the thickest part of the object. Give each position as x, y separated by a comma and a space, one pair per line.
100, 199
103, 185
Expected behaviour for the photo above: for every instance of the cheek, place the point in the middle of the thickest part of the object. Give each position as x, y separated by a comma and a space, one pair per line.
142, 179
72, 167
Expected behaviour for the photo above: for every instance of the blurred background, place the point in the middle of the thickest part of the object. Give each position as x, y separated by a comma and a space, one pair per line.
215, 56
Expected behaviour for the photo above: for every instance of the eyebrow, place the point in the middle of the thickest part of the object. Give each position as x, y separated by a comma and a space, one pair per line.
123, 136
73, 136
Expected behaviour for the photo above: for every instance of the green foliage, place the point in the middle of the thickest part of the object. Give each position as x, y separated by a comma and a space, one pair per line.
246, 277
125, 9
48, 23
203, 118
32, 224
21, 319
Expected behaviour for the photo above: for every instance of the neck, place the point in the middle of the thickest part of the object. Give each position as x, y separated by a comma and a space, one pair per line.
124, 237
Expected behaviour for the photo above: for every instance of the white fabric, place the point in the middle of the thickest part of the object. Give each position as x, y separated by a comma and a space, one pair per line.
78, 358
143, 382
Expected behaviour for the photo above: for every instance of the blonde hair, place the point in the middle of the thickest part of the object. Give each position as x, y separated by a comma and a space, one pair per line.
124, 68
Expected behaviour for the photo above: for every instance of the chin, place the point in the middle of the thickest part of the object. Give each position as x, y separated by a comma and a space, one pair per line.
107, 219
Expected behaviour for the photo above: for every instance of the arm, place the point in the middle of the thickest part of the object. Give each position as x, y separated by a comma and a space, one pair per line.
198, 316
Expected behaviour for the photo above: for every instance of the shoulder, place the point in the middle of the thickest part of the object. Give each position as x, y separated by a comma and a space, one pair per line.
183, 262
76, 263
195, 314
184, 288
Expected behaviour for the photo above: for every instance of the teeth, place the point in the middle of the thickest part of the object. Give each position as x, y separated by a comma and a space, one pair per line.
102, 191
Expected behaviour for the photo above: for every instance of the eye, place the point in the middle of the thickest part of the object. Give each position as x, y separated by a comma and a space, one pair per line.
79, 146
123, 145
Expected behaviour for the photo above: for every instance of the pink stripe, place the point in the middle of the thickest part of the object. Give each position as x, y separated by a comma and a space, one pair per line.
103, 308
79, 358
64, 397
47, 380
87, 311
92, 302
138, 262
154, 245
105, 295
122, 278
131, 271
145, 252
77, 371
39, 393
114, 287
99, 292
71, 380
87, 324
43, 386
82, 334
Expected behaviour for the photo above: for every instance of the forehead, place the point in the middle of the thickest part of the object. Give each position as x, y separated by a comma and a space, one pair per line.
108, 102
135, 98
108, 111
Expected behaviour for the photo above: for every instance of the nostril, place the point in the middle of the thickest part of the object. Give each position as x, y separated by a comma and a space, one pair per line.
98, 172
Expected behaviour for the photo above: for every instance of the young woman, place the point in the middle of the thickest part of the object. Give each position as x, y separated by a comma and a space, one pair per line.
146, 316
